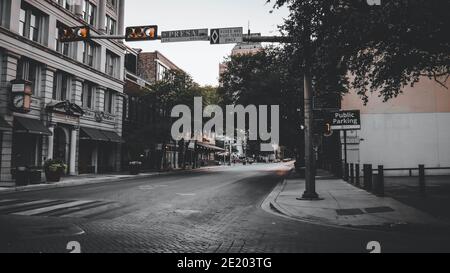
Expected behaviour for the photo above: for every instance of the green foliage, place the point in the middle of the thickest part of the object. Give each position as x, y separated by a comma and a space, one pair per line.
383, 47
54, 165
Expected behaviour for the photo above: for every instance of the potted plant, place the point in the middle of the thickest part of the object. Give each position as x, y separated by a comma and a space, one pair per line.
54, 169
135, 167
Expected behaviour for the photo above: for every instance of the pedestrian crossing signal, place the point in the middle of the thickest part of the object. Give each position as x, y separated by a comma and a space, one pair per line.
141, 33
328, 131
74, 34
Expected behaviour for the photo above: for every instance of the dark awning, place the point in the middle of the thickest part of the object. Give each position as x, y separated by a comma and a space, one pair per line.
112, 136
210, 147
4, 126
92, 134
30, 126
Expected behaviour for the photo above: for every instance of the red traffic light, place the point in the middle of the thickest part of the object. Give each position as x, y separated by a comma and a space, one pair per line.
141, 33
74, 34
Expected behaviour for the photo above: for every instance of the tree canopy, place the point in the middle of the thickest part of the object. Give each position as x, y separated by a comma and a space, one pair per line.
384, 48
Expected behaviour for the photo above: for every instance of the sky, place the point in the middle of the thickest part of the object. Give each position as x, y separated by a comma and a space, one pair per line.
200, 59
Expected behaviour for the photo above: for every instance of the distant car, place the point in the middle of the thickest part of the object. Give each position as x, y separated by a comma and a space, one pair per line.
287, 160
250, 160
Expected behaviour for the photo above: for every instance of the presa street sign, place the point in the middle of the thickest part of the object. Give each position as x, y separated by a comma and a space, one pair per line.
187, 35
345, 120
227, 35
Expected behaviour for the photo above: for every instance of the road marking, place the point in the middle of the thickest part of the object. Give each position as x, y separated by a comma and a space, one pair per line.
91, 211
51, 208
27, 203
187, 212
186, 194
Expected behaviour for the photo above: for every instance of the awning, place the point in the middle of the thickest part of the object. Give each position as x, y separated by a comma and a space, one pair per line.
92, 134
112, 136
4, 126
210, 147
30, 126
99, 135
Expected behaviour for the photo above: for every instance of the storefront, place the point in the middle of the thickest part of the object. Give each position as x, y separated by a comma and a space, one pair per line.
98, 150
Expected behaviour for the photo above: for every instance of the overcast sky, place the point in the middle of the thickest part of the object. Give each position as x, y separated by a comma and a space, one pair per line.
200, 59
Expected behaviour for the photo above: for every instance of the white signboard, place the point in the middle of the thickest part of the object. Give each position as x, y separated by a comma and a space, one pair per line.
187, 35
227, 35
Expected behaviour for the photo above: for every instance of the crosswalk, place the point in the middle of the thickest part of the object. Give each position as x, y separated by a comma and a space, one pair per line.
56, 208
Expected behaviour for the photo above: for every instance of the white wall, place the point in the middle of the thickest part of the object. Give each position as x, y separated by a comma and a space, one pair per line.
404, 140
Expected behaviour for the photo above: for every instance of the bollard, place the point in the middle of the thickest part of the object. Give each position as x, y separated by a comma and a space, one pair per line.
379, 188
365, 176
346, 170
422, 184
357, 175
352, 174
368, 177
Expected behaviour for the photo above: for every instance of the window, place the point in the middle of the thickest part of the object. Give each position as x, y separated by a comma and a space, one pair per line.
112, 4
131, 63
30, 71
112, 61
61, 86
111, 25
161, 71
67, 4
87, 95
89, 12
89, 53
31, 23
63, 48
109, 101
4, 8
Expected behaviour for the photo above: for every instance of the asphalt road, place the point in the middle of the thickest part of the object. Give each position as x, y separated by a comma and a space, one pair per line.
211, 210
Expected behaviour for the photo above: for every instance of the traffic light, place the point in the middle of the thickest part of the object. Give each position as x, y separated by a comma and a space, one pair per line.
74, 34
141, 33
328, 131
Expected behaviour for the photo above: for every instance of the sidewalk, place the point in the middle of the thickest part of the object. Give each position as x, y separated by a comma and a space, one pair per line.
345, 205
79, 180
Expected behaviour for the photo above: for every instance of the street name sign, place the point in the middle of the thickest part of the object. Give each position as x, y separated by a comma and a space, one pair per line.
227, 35
187, 35
345, 120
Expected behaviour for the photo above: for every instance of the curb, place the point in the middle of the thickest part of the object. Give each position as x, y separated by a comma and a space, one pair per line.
100, 181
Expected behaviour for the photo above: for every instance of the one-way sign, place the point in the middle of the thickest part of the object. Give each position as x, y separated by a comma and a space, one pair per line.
227, 35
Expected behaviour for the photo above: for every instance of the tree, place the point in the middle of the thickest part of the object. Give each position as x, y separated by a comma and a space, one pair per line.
266, 78
384, 48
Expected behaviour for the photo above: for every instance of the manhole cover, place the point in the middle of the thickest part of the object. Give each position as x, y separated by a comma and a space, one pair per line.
379, 210
349, 212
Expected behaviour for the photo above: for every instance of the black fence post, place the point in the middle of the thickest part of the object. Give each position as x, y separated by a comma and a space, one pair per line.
365, 176
346, 170
370, 177
352, 174
357, 169
422, 183
379, 187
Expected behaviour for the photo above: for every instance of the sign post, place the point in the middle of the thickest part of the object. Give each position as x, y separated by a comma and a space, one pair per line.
227, 36
188, 35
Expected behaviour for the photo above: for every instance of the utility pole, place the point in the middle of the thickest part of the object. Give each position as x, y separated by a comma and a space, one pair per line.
310, 160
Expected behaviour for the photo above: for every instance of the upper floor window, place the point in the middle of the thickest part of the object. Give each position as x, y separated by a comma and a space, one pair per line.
63, 48
89, 12
4, 8
112, 64
109, 101
61, 86
87, 95
112, 4
67, 4
161, 71
111, 25
89, 53
29, 70
31, 23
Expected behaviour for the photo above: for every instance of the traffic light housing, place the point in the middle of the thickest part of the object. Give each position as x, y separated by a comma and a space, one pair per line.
74, 34
141, 33
327, 130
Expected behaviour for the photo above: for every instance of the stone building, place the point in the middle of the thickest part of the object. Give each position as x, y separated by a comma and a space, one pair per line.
75, 104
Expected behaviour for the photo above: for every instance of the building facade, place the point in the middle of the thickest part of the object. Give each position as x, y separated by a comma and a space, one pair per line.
75, 109
147, 124
406, 131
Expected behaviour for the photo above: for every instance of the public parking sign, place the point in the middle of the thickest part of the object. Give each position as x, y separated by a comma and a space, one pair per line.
187, 35
227, 35
345, 120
